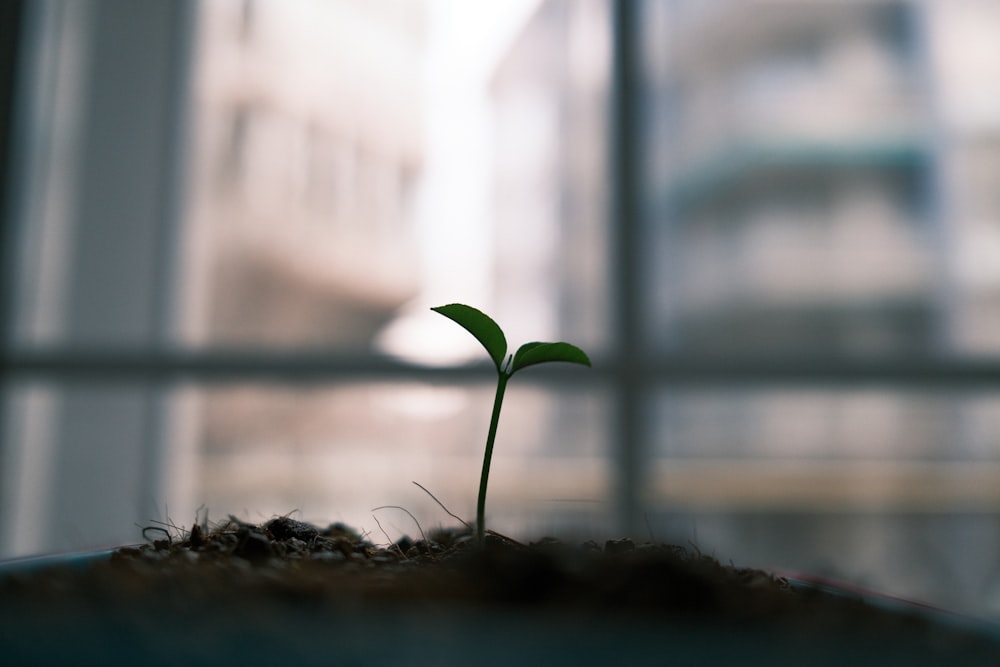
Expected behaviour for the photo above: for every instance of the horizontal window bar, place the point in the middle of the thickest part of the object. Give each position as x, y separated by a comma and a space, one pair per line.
210, 366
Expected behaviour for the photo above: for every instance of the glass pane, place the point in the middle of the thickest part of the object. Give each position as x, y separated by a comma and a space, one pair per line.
87, 465
895, 490
819, 182
868, 424
334, 454
355, 163
283, 176
549, 104
307, 120
95, 188
805, 187
312, 174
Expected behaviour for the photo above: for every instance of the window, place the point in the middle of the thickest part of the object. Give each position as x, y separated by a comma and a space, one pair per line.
820, 354
227, 221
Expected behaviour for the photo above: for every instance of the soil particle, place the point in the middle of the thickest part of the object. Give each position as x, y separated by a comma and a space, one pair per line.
253, 546
618, 546
283, 528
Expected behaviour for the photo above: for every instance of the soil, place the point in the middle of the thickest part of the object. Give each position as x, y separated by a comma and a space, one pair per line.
286, 589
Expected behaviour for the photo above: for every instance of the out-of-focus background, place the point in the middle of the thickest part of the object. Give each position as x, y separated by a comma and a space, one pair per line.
775, 225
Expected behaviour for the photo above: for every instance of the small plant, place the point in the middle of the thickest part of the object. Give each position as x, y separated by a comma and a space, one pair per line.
489, 333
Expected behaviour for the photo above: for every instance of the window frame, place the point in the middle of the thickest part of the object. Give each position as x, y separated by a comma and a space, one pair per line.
628, 371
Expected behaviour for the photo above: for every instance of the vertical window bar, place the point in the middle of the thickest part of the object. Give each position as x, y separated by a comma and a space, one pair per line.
629, 426
11, 19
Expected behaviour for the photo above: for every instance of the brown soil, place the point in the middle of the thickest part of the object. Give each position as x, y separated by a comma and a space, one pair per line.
336, 563
230, 582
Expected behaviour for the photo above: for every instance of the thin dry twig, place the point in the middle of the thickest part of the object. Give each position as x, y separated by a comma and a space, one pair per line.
441, 505
649, 527
388, 539
156, 529
397, 507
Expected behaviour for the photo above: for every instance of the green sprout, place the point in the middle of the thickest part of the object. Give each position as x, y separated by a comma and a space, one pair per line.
489, 333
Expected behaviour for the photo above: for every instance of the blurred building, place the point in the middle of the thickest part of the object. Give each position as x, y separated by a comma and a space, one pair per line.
963, 51
812, 189
308, 149
804, 176
550, 195
817, 185
550, 206
792, 183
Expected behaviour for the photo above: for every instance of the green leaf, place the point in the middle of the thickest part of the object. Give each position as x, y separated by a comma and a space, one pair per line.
530, 354
480, 325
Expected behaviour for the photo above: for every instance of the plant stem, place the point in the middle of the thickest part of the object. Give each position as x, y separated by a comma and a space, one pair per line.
488, 456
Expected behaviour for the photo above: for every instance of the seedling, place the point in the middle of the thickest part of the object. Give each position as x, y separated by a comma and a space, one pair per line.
489, 333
